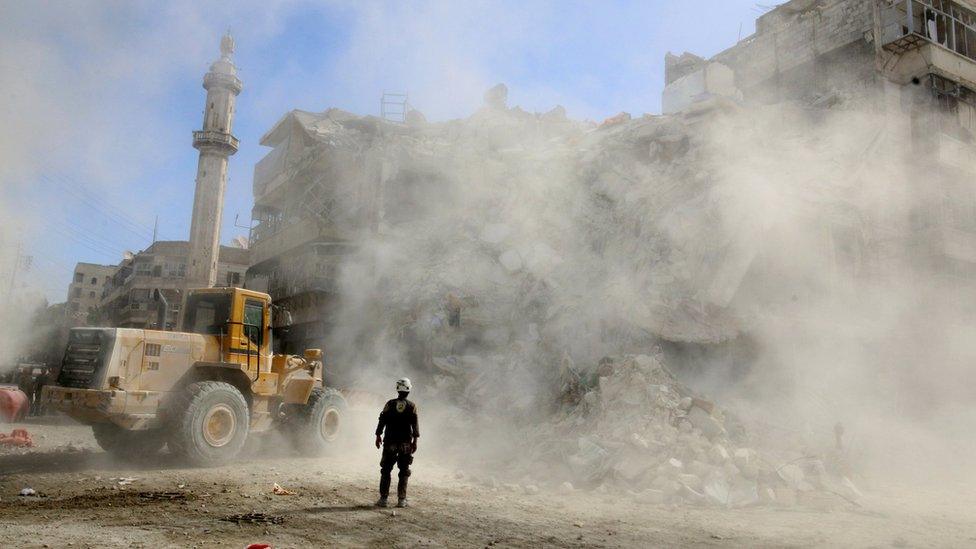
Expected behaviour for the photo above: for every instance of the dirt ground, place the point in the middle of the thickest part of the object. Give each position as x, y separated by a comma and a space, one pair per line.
88, 500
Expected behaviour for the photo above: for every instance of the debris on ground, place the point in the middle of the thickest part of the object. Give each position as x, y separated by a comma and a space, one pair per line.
163, 496
28, 492
642, 431
18, 437
254, 518
279, 491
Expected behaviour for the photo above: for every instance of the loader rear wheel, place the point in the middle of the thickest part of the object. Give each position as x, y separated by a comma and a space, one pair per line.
209, 423
126, 444
318, 425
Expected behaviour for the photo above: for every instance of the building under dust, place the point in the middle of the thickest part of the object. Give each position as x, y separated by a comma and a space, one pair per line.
335, 182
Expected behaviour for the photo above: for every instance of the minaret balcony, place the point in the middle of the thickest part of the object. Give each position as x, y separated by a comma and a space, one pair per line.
222, 80
223, 142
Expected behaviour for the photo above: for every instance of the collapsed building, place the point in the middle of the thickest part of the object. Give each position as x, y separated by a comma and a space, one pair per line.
458, 238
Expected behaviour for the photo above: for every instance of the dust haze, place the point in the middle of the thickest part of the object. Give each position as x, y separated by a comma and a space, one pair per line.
762, 248
737, 305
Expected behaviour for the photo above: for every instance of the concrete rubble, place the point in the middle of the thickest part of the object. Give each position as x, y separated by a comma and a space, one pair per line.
640, 430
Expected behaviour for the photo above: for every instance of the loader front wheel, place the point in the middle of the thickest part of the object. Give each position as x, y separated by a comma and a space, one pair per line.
126, 444
318, 424
209, 423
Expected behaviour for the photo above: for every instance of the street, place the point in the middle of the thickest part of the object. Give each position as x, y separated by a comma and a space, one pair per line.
87, 500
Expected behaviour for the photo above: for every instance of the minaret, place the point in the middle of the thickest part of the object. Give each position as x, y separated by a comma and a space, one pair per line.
215, 144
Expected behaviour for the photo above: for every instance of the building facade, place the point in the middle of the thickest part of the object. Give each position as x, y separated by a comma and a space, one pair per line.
85, 291
127, 300
911, 62
311, 199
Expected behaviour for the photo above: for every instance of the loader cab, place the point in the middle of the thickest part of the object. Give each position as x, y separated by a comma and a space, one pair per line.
239, 318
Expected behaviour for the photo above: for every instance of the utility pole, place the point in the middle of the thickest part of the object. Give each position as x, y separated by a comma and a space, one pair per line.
13, 274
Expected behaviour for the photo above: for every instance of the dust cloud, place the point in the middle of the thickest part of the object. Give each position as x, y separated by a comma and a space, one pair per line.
769, 255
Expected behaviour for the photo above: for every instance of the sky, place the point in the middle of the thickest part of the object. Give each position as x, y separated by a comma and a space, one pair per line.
99, 99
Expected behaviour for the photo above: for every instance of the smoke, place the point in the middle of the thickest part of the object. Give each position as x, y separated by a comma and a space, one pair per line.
772, 251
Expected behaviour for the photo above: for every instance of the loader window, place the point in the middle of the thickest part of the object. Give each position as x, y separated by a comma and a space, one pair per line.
207, 314
254, 321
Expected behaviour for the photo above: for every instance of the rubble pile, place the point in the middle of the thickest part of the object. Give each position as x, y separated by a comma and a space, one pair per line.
640, 430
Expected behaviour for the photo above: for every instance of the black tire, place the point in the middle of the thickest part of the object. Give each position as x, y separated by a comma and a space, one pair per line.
126, 444
317, 426
208, 423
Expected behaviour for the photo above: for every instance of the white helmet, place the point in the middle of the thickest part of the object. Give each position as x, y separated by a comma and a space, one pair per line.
403, 385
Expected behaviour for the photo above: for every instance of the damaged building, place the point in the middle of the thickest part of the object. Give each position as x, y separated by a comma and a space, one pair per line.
912, 59
438, 244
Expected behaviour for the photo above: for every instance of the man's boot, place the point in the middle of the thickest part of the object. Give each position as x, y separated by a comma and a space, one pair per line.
402, 491
385, 481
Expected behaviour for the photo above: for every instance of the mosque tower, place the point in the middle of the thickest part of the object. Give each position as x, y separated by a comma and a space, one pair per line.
215, 144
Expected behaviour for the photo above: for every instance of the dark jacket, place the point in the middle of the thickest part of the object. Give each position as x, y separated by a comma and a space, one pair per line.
399, 418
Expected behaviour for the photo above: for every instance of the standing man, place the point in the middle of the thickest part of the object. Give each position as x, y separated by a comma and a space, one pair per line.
40, 381
25, 382
399, 418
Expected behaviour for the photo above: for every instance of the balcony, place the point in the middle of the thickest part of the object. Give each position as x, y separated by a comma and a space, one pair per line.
907, 25
300, 283
222, 142
222, 80
274, 174
291, 235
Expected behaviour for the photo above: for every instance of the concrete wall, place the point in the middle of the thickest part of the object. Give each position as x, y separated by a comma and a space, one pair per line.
714, 79
795, 42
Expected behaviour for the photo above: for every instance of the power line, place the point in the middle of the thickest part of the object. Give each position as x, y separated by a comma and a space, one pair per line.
79, 190
109, 211
92, 246
79, 236
53, 262
110, 243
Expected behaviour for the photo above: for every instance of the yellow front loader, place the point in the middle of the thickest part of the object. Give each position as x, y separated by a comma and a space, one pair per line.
201, 390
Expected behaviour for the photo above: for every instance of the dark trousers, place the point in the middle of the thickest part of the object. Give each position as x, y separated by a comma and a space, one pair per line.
401, 455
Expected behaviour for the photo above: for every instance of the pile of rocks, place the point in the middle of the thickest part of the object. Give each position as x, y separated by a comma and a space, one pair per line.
640, 430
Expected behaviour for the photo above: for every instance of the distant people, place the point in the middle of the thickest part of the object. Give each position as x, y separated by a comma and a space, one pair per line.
397, 433
25, 382
37, 405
